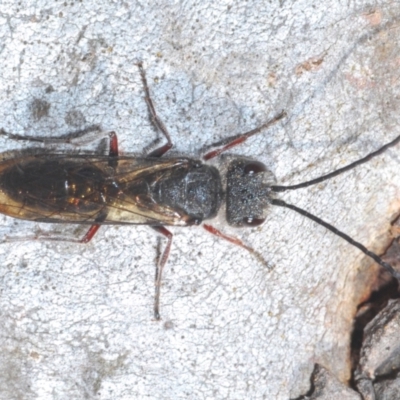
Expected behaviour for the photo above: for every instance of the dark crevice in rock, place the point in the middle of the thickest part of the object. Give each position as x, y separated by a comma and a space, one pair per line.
383, 288
312, 385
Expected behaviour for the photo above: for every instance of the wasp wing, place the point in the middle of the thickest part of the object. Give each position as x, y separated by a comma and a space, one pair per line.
88, 189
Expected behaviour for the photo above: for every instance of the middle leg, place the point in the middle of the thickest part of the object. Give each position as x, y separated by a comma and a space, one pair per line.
155, 120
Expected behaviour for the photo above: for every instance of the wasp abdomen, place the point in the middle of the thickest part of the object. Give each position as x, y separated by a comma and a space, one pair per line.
55, 185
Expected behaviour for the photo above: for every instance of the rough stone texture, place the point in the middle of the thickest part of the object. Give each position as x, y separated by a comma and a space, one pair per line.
388, 389
380, 353
377, 373
77, 320
327, 387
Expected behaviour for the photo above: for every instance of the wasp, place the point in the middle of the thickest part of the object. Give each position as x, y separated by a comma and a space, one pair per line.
124, 190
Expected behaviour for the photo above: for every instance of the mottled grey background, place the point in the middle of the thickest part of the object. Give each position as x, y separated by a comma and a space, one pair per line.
76, 321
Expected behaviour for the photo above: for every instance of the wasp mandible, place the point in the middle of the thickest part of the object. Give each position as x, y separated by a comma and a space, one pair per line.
153, 190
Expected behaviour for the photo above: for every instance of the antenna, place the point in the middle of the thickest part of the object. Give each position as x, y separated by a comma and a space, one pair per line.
281, 203
279, 188
336, 231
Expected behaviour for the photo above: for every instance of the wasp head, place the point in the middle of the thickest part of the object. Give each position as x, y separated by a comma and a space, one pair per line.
248, 192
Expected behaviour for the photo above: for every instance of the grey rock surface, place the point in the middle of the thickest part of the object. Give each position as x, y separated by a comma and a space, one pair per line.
77, 320
377, 373
327, 387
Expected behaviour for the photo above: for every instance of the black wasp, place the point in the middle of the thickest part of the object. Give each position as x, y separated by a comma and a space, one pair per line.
155, 191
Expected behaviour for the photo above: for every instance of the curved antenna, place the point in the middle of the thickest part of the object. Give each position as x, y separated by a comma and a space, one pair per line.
348, 239
279, 188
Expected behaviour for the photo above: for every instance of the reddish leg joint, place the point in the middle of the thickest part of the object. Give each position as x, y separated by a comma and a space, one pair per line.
113, 145
160, 151
90, 233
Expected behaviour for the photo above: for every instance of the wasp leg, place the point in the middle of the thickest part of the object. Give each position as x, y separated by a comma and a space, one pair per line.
239, 139
90, 233
95, 227
86, 238
237, 242
160, 267
113, 150
80, 137
155, 120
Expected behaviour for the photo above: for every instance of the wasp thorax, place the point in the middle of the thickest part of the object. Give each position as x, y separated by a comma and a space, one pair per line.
247, 193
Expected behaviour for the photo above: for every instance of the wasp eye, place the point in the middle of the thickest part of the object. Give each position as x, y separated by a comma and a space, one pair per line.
250, 221
254, 167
